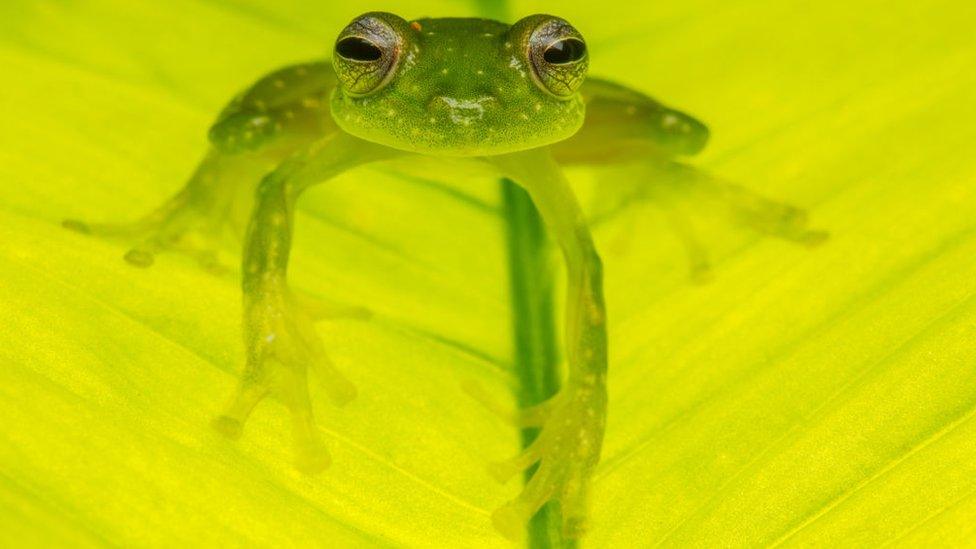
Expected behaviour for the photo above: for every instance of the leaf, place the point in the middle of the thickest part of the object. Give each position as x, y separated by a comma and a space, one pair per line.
804, 397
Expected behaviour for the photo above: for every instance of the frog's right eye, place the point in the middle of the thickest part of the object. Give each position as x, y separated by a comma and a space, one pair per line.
367, 52
355, 48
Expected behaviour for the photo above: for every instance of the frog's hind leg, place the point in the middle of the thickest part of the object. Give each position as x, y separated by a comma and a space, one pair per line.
748, 208
682, 193
191, 222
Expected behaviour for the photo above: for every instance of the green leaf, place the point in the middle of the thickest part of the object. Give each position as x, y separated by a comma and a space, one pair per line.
804, 397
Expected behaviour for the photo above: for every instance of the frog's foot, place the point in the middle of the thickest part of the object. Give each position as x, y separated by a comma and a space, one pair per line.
567, 450
175, 226
678, 184
772, 218
532, 416
282, 345
191, 222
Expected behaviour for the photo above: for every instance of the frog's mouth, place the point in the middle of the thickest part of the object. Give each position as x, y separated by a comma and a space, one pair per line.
463, 112
456, 124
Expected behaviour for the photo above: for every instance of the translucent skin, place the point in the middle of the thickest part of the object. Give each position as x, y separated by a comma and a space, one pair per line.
462, 87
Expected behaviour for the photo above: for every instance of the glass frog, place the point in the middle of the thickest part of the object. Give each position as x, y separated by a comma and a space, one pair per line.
513, 99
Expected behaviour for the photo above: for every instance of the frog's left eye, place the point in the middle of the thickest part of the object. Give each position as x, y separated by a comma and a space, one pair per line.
367, 52
567, 50
557, 53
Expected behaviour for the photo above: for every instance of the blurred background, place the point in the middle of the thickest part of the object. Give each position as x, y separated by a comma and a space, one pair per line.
800, 396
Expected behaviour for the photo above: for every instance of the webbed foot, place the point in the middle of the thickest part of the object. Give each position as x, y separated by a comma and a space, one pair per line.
566, 450
149, 241
191, 222
281, 346
677, 187
772, 218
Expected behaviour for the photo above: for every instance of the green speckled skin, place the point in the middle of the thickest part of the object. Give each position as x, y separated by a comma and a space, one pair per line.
434, 87
463, 88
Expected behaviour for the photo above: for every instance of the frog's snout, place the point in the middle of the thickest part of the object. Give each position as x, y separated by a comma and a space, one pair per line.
466, 111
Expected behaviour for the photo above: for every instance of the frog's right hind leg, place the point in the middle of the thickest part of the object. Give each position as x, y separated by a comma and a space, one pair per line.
192, 221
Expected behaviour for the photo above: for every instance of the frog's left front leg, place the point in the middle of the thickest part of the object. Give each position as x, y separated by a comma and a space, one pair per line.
279, 335
573, 422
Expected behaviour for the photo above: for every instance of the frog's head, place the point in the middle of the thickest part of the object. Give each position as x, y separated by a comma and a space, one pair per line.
460, 87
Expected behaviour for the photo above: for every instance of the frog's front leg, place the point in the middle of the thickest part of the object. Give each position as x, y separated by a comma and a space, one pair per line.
279, 335
199, 210
275, 117
573, 422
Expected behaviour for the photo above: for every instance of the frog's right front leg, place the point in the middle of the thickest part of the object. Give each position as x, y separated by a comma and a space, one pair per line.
193, 220
279, 335
277, 116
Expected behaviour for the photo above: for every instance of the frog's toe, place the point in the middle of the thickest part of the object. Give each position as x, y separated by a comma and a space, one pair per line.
139, 258
229, 427
340, 390
231, 422
503, 471
512, 518
814, 238
555, 480
311, 455
76, 226
533, 416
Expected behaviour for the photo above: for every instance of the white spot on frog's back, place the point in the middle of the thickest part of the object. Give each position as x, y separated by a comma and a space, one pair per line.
259, 122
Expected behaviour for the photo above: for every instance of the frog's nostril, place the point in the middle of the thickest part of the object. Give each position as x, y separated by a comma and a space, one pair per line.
462, 111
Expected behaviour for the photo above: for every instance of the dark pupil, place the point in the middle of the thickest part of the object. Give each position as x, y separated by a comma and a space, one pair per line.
565, 51
358, 49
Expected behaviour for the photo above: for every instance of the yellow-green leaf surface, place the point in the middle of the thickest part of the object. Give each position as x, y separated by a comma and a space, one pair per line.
803, 397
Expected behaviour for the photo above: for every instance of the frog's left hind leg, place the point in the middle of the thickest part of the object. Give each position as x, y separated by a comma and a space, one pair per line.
747, 208
192, 221
679, 191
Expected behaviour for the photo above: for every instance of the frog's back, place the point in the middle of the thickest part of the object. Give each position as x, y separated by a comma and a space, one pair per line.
283, 108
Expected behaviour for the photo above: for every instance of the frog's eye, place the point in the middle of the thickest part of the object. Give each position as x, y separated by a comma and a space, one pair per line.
355, 48
561, 52
367, 52
556, 52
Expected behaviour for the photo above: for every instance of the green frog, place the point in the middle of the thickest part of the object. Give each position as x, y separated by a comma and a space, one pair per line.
513, 99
